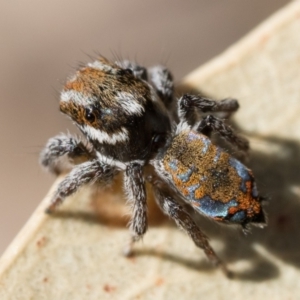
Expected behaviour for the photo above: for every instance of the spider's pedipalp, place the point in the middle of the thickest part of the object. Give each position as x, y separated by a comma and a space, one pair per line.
64, 151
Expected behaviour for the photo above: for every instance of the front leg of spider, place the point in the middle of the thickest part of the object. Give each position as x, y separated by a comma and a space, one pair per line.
183, 220
88, 172
134, 185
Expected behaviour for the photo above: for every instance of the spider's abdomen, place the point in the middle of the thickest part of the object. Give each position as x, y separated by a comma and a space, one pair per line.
213, 182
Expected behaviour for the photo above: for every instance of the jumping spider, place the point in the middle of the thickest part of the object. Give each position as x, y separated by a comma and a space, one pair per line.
124, 111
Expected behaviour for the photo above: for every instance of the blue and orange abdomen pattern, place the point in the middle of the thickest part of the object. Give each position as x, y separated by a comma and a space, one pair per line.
213, 182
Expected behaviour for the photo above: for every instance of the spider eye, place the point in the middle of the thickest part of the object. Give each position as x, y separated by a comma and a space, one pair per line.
89, 115
123, 72
128, 71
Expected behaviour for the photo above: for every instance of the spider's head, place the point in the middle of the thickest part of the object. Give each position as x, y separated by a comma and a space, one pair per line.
115, 110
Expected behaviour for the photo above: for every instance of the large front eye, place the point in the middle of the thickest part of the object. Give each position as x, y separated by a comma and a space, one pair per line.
89, 115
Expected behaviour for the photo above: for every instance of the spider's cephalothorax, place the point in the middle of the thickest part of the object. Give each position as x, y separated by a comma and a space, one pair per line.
126, 113
117, 112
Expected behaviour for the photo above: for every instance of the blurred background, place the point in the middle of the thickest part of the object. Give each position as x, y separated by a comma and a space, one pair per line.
42, 42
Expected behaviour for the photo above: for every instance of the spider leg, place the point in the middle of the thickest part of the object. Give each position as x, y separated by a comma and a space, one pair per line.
184, 221
63, 151
162, 81
189, 106
212, 123
87, 172
134, 186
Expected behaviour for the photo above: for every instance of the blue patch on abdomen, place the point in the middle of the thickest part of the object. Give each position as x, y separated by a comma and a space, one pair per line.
185, 177
238, 217
242, 172
173, 165
213, 208
192, 189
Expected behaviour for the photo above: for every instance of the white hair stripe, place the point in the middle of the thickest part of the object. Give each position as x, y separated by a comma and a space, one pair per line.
102, 136
98, 65
129, 104
76, 96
